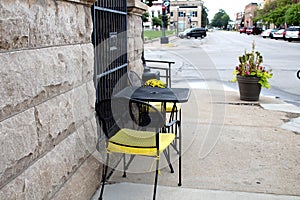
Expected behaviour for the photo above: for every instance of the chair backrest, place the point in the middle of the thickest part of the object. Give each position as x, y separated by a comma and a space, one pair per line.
134, 79
119, 113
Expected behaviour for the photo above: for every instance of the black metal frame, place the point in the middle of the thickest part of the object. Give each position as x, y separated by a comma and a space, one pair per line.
110, 42
167, 70
148, 117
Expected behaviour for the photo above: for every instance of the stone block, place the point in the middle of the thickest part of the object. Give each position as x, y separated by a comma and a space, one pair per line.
61, 115
43, 23
45, 177
37, 75
83, 183
87, 62
19, 144
83, 104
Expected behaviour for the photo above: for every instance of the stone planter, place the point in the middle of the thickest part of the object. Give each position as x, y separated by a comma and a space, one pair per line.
249, 88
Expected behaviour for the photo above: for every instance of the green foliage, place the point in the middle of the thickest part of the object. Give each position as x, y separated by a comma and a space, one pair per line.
145, 17
156, 21
155, 34
250, 64
279, 12
204, 19
220, 19
293, 15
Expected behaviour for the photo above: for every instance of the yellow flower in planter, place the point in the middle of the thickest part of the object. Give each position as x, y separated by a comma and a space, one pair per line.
155, 83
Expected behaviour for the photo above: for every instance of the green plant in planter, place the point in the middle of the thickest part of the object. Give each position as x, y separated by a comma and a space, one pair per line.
250, 65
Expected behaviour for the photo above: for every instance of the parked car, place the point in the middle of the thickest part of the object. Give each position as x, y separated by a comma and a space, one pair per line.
266, 33
196, 32
279, 34
293, 33
243, 30
253, 30
183, 34
272, 32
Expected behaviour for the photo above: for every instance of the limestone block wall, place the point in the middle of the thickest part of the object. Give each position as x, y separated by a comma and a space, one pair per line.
134, 35
47, 124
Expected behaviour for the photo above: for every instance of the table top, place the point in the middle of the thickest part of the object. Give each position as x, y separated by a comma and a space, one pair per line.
156, 94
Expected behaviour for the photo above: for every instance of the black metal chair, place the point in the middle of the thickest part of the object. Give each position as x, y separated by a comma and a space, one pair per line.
134, 127
174, 110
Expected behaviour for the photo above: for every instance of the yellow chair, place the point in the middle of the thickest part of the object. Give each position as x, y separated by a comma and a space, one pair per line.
134, 127
174, 110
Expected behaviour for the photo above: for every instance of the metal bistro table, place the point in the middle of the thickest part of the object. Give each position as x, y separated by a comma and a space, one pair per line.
163, 95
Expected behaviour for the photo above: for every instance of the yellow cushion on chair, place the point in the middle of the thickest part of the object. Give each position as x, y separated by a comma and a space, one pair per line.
138, 142
169, 106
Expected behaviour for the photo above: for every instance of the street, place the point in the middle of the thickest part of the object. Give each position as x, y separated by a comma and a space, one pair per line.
212, 60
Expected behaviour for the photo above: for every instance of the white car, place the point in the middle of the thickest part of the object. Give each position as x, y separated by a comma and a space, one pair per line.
293, 33
279, 34
266, 33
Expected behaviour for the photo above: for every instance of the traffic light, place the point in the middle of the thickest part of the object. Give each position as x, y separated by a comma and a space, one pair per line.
163, 9
166, 4
164, 18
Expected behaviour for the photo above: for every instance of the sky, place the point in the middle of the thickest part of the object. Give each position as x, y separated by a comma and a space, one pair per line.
231, 7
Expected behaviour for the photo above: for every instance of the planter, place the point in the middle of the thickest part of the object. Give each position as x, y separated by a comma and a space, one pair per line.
249, 88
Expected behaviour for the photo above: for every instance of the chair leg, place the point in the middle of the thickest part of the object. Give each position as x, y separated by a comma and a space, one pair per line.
167, 155
104, 174
179, 154
156, 178
124, 165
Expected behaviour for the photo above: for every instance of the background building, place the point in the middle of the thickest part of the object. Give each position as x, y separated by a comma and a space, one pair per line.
183, 14
249, 14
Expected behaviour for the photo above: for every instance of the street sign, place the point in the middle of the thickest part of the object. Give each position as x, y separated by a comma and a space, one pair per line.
166, 3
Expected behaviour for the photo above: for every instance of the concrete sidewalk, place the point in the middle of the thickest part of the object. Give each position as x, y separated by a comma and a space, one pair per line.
130, 191
232, 150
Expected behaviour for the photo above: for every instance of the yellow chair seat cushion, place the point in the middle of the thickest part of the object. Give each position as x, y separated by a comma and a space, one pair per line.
169, 106
138, 142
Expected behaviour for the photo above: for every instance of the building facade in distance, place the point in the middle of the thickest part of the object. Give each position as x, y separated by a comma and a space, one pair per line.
183, 14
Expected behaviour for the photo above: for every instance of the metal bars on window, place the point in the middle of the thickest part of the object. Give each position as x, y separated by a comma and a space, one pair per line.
110, 42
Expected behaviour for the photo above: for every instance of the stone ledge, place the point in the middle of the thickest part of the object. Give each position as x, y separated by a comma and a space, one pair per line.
86, 2
136, 7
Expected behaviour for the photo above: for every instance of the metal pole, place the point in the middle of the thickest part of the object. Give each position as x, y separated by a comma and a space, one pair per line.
177, 21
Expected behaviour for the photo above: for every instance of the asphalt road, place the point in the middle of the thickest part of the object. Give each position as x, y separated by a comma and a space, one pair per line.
213, 59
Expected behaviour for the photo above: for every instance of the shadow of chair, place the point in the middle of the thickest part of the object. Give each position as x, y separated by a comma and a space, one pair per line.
134, 127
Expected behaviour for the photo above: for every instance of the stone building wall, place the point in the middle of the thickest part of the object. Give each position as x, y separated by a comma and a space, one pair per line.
135, 45
48, 131
47, 123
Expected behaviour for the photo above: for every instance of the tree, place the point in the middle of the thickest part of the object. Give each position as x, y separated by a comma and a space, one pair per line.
279, 12
220, 19
204, 19
156, 21
293, 15
145, 17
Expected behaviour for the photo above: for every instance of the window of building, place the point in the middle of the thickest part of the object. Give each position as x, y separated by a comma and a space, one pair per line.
194, 13
181, 14
158, 12
152, 13
171, 14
